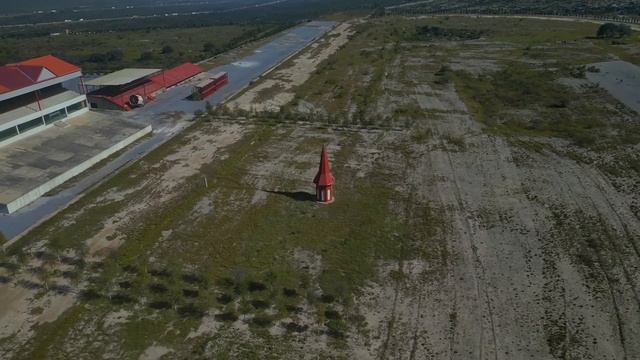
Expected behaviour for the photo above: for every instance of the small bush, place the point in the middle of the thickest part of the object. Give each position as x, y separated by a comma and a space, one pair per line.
336, 329
256, 286
332, 314
190, 293
327, 298
224, 299
166, 50
120, 299
226, 282
160, 305
130, 269
426, 33
290, 293
10, 266
294, 309
90, 294
73, 261
158, 288
70, 274
164, 273
226, 317
297, 328
262, 320
192, 279
190, 310
259, 304
611, 30
579, 72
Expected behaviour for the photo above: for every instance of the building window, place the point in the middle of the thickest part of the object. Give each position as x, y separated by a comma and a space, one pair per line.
55, 116
8, 133
30, 125
76, 107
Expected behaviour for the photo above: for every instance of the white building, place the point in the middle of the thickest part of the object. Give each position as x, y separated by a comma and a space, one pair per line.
32, 97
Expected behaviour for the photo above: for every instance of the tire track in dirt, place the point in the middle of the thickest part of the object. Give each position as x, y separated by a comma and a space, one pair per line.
392, 318
617, 251
479, 270
623, 224
600, 261
414, 340
608, 276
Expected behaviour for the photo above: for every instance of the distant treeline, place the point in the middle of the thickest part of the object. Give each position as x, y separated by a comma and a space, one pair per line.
234, 11
113, 58
286, 12
569, 7
90, 8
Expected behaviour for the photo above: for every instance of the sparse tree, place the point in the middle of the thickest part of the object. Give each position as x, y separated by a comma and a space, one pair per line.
209, 47
611, 30
43, 275
209, 108
146, 56
166, 50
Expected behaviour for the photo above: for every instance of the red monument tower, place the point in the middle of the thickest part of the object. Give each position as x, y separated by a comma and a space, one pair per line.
324, 180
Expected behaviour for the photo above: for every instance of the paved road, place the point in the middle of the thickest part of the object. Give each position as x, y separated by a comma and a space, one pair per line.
159, 114
241, 73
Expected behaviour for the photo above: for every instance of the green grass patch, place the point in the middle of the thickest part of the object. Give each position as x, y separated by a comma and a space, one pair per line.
529, 102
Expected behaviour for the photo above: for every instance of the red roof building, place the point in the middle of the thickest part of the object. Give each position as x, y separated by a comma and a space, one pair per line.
176, 75
31, 75
53, 64
35, 94
324, 180
118, 97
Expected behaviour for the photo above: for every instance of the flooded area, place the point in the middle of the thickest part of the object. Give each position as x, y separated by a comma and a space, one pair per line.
621, 79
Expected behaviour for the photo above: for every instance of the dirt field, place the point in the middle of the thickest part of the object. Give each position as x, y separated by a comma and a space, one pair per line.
487, 208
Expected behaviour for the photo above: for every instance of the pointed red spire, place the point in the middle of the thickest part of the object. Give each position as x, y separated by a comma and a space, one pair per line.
324, 180
324, 176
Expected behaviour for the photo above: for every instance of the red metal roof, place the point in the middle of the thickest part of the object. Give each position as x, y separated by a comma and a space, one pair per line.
11, 78
120, 96
53, 64
148, 87
176, 75
30, 72
324, 176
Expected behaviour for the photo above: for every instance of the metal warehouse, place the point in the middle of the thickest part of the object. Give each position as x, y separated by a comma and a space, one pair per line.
130, 88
